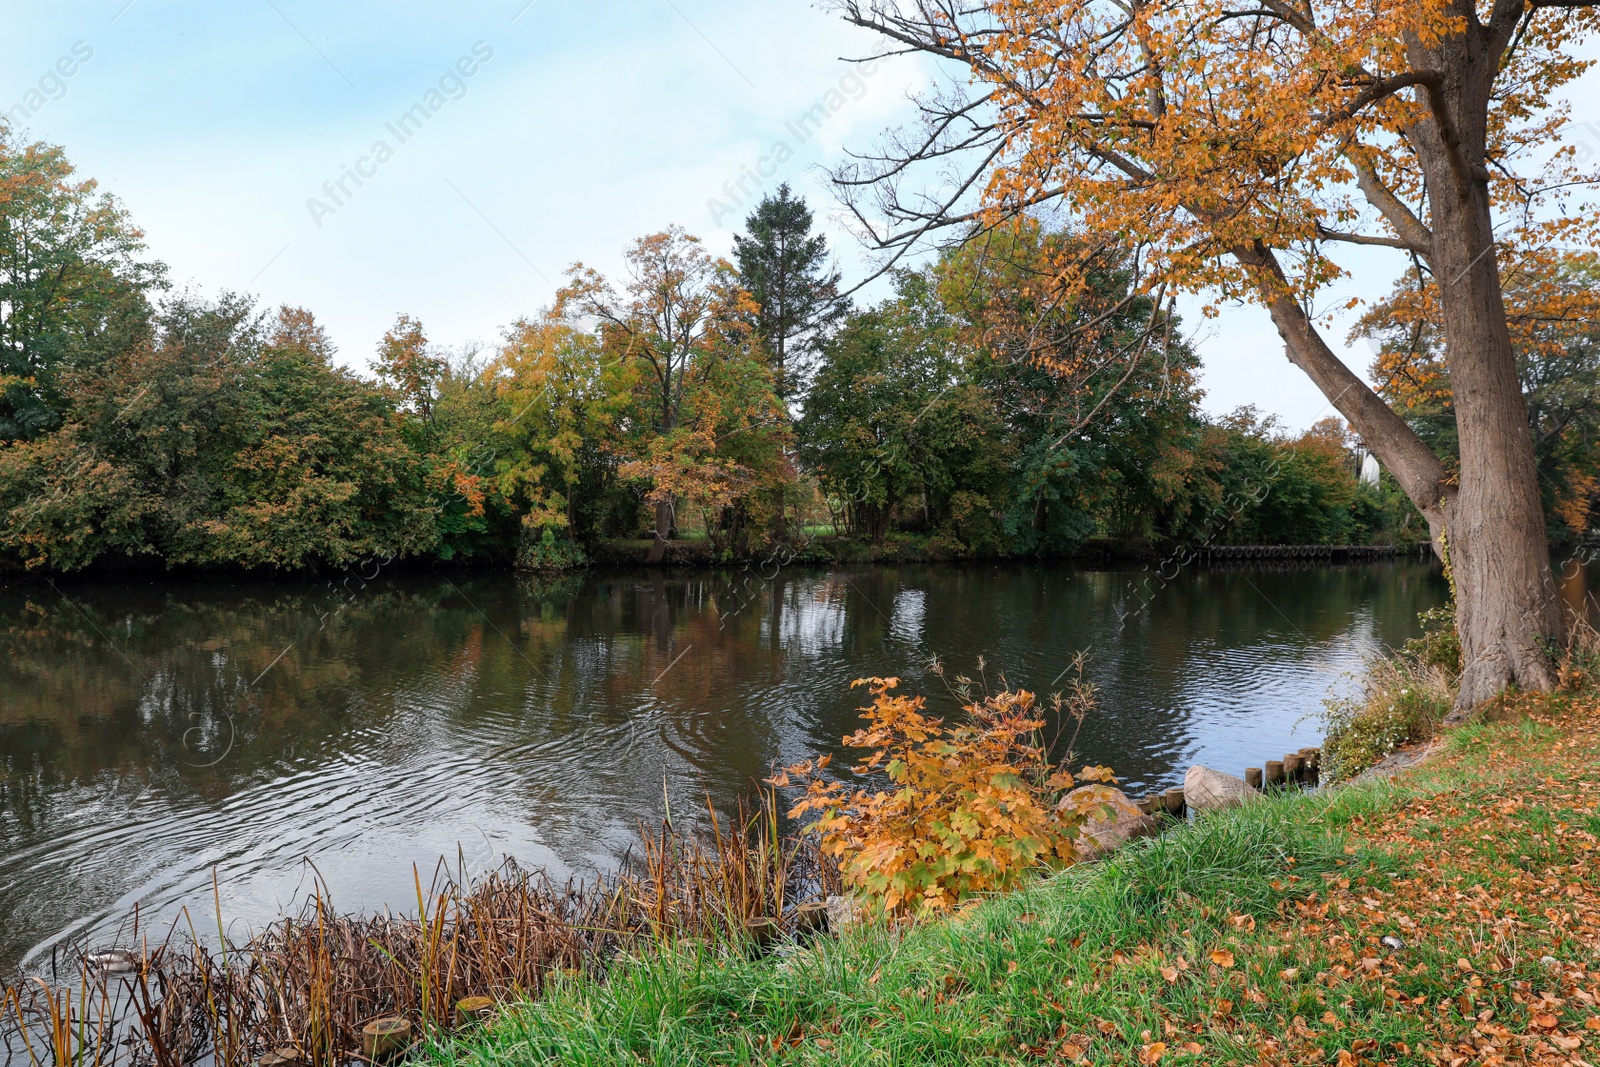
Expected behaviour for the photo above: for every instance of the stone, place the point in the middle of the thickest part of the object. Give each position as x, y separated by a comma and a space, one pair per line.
1208, 790
1127, 822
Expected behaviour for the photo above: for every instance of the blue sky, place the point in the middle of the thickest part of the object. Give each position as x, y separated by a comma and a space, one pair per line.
579, 127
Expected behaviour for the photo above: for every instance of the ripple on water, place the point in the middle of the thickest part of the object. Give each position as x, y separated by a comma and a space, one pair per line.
489, 716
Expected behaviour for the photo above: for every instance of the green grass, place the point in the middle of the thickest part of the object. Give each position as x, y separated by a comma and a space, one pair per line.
1074, 963
966, 989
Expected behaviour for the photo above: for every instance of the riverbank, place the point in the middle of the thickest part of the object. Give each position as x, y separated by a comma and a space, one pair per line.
700, 553
1449, 915
912, 548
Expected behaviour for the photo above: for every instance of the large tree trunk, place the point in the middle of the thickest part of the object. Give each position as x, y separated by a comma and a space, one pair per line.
1507, 611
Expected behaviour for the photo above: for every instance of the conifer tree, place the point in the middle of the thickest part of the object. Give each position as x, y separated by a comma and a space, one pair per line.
784, 267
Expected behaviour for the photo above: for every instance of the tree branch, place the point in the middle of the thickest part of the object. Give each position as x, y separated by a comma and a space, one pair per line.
1410, 229
1363, 239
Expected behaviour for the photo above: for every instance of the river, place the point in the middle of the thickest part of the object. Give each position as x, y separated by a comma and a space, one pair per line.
155, 734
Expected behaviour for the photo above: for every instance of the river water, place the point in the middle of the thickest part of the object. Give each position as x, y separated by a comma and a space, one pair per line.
156, 734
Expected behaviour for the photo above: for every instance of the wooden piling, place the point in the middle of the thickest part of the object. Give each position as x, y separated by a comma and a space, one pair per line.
475, 1007
1172, 803
1252, 777
811, 917
1291, 767
383, 1039
1274, 772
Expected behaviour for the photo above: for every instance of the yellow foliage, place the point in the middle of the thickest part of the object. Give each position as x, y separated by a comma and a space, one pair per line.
970, 807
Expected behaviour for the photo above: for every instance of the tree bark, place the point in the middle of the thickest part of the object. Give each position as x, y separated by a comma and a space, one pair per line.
1507, 610
658, 548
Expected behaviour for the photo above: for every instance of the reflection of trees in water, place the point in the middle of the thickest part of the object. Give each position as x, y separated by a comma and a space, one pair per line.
549, 710
592, 651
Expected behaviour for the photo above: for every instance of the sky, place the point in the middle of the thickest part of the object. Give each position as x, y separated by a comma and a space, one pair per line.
243, 138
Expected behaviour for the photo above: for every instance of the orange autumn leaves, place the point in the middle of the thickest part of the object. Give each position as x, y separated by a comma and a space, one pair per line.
970, 807
1203, 127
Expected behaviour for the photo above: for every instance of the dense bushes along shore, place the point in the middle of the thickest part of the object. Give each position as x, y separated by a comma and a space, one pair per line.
740, 403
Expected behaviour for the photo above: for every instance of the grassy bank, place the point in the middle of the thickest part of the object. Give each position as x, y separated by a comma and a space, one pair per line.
1251, 936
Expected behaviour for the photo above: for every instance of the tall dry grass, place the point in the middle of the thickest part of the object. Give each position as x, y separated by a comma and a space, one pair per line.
304, 987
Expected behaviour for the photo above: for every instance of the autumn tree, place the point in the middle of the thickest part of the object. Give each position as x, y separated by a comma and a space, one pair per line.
670, 310
1243, 144
409, 365
561, 402
73, 283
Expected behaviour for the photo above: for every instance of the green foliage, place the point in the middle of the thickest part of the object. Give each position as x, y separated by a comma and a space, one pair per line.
325, 477
893, 425
1439, 647
544, 551
72, 286
976, 413
216, 443
794, 294
1403, 700
1296, 489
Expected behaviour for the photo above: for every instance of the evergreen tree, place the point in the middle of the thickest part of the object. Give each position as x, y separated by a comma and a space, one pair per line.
783, 266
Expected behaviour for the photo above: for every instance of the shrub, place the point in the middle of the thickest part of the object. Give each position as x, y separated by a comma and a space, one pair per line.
969, 807
548, 552
1440, 644
1403, 699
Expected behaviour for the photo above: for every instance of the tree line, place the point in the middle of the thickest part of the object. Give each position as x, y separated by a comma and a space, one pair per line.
980, 410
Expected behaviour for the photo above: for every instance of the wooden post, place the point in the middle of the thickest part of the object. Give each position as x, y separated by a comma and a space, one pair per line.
1172, 802
1252, 777
1291, 767
1274, 774
1151, 803
477, 1006
763, 931
384, 1038
811, 917
1313, 764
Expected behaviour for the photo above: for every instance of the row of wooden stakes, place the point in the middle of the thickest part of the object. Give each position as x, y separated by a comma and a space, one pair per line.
1295, 769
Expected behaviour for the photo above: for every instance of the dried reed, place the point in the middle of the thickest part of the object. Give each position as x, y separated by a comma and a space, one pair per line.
303, 988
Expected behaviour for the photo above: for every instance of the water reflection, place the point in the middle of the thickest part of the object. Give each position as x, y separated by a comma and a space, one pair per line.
153, 732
